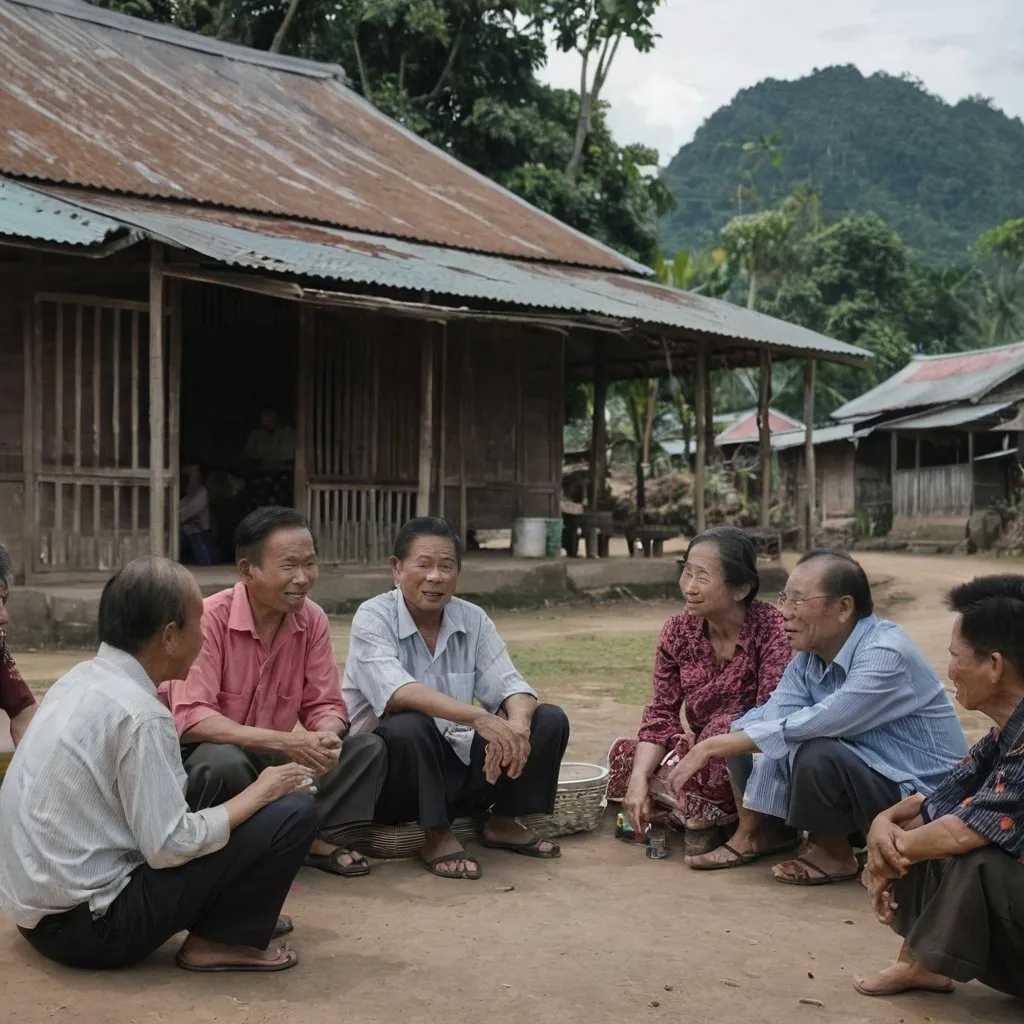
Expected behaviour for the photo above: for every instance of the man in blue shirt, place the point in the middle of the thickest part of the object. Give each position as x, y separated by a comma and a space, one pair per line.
858, 722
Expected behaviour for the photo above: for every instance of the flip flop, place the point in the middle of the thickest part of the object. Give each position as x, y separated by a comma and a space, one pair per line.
529, 849
283, 927
432, 865
331, 863
290, 960
900, 990
822, 878
742, 859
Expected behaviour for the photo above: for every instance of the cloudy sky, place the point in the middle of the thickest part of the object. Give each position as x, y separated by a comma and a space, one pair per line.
710, 49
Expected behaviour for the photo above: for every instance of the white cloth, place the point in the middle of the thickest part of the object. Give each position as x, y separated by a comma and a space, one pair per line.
470, 662
96, 788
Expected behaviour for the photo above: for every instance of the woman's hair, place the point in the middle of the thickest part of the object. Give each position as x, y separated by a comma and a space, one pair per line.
738, 554
425, 526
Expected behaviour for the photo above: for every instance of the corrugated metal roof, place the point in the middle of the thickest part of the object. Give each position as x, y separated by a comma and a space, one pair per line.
939, 380
333, 255
953, 416
745, 427
26, 213
102, 100
821, 435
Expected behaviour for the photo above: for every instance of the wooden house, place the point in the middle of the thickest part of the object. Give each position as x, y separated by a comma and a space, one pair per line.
192, 231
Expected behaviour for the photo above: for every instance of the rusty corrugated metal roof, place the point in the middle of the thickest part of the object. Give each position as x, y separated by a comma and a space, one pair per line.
744, 428
28, 214
94, 98
331, 255
938, 380
951, 416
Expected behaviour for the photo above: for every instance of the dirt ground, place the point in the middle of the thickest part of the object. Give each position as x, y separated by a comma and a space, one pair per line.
601, 936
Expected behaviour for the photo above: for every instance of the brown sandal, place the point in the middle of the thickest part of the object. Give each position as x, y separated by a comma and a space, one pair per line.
291, 958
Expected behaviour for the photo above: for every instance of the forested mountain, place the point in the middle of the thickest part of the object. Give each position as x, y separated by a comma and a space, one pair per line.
939, 174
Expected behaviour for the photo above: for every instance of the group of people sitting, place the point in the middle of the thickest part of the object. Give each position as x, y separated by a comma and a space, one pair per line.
164, 785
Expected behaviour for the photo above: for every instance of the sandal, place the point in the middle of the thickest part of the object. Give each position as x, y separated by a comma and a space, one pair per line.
456, 855
528, 849
291, 958
742, 859
806, 878
899, 990
331, 863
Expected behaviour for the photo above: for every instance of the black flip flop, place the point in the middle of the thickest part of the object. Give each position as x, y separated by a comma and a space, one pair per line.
283, 927
530, 849
742, 859
432, 865
290, 960
821, 878
331, 863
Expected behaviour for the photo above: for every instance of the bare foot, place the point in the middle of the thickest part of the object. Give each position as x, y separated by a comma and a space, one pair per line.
508, 830
197, 954
903, 977
442, 841
826, 863
346, 858
744, 847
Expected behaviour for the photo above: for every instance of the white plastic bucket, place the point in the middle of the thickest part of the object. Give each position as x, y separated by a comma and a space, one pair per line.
530, 538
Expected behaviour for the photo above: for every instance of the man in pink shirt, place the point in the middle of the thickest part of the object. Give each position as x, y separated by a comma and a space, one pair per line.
267, 664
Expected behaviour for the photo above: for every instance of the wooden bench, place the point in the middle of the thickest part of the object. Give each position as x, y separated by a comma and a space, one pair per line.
652, 539
596, 528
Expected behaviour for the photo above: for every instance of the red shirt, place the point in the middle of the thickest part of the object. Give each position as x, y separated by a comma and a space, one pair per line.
15, 696
237, 677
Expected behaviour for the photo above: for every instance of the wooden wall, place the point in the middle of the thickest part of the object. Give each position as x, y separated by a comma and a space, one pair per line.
12, 391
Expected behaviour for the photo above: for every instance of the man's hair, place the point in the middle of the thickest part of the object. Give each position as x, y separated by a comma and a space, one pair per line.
252, 532
140, 600
844, 577
425, 526
6, 567
991, 610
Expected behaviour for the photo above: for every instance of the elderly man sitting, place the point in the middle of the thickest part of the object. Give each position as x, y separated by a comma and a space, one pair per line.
947, 871
464, 732
268, 664
101, 861
859, 719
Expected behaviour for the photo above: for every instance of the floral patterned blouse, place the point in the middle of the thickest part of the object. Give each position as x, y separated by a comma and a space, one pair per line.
686, 669
15, 696
986, 789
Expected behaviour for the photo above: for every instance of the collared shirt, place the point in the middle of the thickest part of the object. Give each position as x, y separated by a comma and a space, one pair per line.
15, 695
236, 676
879, 696
986, 789
95, 789
470, 662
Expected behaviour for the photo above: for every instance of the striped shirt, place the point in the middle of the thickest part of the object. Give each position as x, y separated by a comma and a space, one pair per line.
470, 662
879, 697
95, 789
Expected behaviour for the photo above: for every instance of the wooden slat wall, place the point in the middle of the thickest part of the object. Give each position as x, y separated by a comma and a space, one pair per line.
933, 491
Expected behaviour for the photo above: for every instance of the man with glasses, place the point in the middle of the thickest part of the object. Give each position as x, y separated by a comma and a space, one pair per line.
858, 722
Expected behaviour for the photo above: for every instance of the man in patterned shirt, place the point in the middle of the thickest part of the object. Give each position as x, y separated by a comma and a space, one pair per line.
947, 872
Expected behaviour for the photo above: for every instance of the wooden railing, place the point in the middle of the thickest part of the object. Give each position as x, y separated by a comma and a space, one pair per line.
358, 522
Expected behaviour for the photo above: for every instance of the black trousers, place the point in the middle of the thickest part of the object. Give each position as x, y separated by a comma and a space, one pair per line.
964, 917
232, 896
427, 783
831, 790
345, 795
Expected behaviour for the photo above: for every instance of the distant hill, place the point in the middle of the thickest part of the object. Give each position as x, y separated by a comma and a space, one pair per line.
939, 174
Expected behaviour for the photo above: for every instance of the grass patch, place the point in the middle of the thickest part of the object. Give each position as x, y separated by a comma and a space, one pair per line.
624, 663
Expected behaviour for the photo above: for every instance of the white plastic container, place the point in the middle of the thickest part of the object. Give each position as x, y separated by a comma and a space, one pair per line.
529, 538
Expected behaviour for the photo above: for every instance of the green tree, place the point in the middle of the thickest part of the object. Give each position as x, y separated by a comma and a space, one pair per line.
757, 243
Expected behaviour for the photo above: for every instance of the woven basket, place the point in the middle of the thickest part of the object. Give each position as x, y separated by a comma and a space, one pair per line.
579, 804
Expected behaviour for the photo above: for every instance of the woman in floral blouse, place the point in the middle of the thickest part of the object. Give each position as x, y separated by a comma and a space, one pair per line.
722, 656
16, 699
947, 872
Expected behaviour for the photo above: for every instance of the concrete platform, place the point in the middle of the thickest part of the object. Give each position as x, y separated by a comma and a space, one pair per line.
63, 615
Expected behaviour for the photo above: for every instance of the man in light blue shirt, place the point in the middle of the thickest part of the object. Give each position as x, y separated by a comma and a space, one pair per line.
464, 731
858, 722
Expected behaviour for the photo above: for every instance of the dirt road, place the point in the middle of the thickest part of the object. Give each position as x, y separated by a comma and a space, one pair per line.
601, 937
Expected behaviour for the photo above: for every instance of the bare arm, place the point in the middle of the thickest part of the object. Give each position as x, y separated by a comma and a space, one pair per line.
422, 698
19, 723
945, 837
519, 709
221, 729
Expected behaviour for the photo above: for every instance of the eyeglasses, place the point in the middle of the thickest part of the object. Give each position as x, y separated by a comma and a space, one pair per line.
796, 602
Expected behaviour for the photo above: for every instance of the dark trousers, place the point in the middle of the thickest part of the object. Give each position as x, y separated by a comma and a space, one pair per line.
345, 795
831, 790
964, 917
232, 896
429, 784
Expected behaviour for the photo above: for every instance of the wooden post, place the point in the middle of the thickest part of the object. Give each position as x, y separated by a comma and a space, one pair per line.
426, 468
917, 475
465, 393
157, 481
174, 288
598, 442
809, 469
29, 534
700, 410
764, 433
442, 439
303, 383
970, 465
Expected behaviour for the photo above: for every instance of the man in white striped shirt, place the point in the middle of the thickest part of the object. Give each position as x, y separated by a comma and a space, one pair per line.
101, 861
